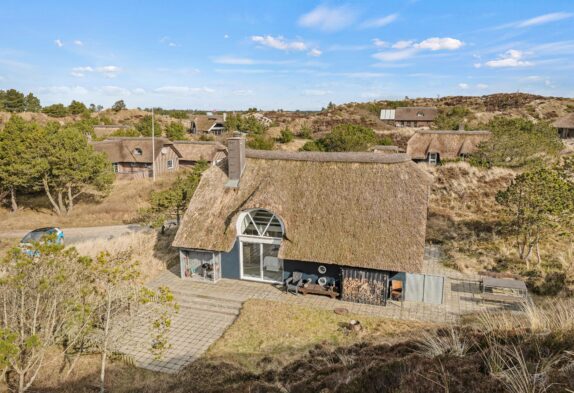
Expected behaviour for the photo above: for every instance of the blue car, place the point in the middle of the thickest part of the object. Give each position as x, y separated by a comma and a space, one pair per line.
39, 235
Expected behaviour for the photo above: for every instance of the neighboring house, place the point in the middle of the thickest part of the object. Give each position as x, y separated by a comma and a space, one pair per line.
565, 126
208, 124
386, 149
434, 146
354, 220
133, 157
194, 151
103, 130
410, 116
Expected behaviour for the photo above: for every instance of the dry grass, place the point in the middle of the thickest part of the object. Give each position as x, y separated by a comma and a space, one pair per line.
151, 249
120, 207
449, 342
556, 316
279, 333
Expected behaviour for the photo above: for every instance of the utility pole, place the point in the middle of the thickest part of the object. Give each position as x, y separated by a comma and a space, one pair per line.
152, 145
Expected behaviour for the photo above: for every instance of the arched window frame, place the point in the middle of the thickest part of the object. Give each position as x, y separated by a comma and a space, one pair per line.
249, 214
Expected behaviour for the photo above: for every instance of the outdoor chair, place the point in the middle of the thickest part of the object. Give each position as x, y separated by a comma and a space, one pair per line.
296, 281
396, 290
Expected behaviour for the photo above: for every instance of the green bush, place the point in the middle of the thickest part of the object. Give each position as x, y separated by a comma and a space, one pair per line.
305, 133
311, 146
286, 136
175, 131
261, 142
56, 110
451, 118
516, 143
144, 126
348, 137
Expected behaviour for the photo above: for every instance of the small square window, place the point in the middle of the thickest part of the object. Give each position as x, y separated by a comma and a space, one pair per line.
170, 164
115, 167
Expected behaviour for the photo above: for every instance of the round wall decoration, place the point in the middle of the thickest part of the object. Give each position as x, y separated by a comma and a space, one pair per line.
322, 269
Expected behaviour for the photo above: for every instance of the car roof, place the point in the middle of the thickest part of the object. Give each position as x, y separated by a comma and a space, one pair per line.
46, 229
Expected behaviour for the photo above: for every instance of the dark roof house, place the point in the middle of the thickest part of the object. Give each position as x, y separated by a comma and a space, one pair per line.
410, 116
432, 146
132, 157
263, 215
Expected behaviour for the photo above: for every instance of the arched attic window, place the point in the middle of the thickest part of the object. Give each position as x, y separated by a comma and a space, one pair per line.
138, 151
262, 223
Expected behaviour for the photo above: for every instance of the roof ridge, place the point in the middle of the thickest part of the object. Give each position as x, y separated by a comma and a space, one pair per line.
455, 132
359, 157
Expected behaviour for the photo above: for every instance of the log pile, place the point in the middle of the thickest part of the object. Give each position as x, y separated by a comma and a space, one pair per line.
364, 286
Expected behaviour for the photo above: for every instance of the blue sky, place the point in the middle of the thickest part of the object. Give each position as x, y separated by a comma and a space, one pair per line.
283, 54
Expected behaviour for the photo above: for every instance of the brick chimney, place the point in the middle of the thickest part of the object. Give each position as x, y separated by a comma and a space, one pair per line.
235, 160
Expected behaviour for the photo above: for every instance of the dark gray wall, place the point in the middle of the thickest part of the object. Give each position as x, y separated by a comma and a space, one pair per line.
230, 263
310, 270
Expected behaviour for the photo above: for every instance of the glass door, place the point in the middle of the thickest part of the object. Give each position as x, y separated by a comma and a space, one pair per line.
251, 260
260, 261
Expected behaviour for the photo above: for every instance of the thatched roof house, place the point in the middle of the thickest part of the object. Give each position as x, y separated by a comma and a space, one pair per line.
194, 151
208, 124
386, 149
133, 156
308, 211
565, 126
432, 146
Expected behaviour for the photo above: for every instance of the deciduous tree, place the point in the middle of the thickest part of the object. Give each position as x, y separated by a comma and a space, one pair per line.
72, 168
537, 202
119, 106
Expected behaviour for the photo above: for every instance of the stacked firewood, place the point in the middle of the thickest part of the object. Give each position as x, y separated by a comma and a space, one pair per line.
363, 290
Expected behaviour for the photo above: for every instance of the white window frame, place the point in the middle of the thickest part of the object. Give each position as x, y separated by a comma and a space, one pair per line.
115, 167
138, 151
172, 164
257, 240
433, 158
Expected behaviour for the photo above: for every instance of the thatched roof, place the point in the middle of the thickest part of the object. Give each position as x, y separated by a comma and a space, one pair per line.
203, 123
102, 130
565, 121
416, 113
449, 144
199, 150
354, 209
386, 149
123, 149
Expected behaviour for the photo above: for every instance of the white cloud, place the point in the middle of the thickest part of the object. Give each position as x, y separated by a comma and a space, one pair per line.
59, 43
403, 44
80, 72
482, 86
138, 91
226, 36
315, 53
279, 43
463, 86
436, 43
63, 90
329, 18
379, 22
546, 18
477, 65
409, 48
510, 58
172, 44
109, 71
316, 92
183, 90
233, 60
246, 92
78, 43
380, 43
115, 91
396, 55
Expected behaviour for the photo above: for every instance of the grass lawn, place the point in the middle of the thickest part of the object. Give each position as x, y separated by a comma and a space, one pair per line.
277, 333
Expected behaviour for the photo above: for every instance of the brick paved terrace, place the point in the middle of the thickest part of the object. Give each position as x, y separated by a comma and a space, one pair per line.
208, 309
